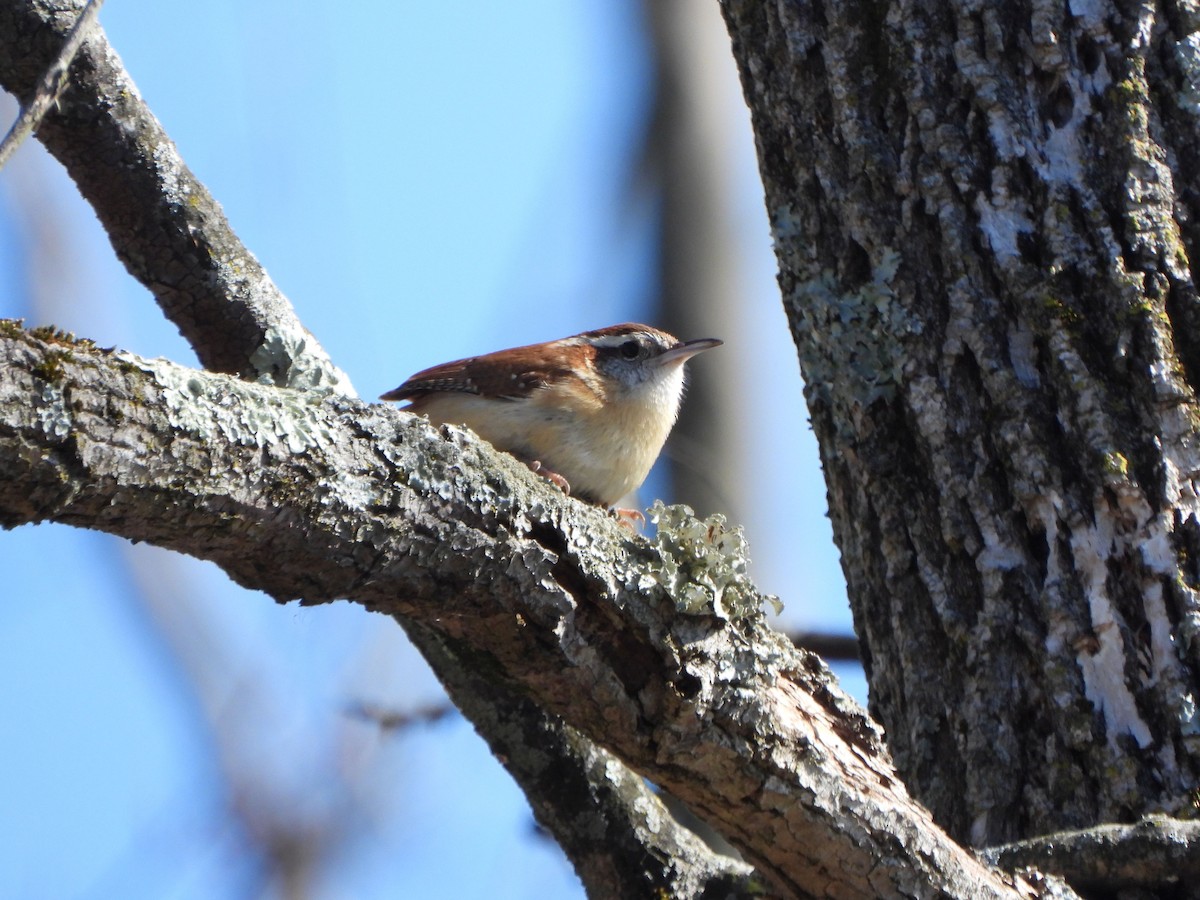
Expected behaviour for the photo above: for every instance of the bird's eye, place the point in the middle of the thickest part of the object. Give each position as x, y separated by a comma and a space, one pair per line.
630, 349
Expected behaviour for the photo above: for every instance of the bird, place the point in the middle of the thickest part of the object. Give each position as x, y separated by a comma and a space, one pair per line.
589, 412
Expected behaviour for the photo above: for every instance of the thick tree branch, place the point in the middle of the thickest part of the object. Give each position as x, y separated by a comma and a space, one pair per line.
656, 650
164, 225
986, 228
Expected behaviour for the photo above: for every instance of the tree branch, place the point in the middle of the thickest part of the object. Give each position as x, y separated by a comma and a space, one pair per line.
828, 646
165, 227
1156, 854
619, 836
46, 92
656, 650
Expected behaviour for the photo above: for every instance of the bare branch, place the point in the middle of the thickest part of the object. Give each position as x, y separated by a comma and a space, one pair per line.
1156, 854
164, 225
46, 92
828, 646
619, 836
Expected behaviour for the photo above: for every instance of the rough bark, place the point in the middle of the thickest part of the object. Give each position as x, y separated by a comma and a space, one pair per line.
621, 838
985, 243
1156, 857
657, 650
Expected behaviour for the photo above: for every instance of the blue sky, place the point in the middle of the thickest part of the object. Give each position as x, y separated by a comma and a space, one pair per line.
424, 181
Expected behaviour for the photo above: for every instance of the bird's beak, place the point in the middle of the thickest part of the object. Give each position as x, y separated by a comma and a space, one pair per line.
685, 350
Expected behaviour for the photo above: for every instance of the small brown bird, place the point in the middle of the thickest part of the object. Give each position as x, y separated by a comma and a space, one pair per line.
590, 412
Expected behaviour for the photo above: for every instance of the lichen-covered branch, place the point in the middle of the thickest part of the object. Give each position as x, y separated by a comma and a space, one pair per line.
164, 225
602, 628
175, 239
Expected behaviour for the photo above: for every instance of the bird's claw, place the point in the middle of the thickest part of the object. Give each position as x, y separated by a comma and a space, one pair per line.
554, 478
627, 517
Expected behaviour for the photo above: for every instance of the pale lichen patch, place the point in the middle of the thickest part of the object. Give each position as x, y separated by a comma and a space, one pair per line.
1189, 719
207, 404
851, 346
1022, 352
1002, 219
1187, 56
1104, 663
52, 412
428, 470
701, 564
293, 359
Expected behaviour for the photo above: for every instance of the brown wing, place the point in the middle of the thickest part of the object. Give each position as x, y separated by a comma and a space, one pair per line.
505, 375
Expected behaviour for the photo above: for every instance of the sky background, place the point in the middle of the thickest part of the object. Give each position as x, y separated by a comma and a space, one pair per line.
424, 182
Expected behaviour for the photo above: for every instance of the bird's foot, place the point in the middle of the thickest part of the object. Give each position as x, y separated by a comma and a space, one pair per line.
553, 477
628, 517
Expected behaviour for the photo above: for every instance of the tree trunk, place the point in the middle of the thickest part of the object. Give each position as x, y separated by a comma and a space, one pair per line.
985, 244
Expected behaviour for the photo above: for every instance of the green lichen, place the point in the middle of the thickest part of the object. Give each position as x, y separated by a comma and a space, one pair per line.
1143, 308
851, 340
291, 358
53, 415
702, 565
205, 404
1059, 311
46, 334
1115, 464
51, 334
1129, 94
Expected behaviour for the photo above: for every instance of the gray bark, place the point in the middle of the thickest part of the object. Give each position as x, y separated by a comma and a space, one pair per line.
656, 650
621, 838
986, 239
1156, 857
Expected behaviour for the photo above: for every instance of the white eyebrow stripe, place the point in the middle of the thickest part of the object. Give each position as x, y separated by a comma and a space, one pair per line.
616, 340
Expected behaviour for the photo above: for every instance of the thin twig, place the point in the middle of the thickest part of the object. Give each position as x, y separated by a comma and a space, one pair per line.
45, 95
827, 645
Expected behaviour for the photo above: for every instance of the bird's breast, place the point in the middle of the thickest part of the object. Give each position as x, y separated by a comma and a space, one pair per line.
603, 445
